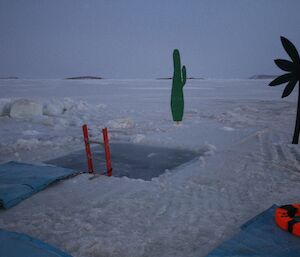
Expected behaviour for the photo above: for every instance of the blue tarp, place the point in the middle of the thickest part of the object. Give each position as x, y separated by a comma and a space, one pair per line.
261, 237
20, 245
19, 180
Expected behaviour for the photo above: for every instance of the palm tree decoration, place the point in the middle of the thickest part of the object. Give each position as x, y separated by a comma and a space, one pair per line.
292, 77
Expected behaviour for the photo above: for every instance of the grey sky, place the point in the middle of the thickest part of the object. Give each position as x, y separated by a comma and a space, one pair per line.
135, 38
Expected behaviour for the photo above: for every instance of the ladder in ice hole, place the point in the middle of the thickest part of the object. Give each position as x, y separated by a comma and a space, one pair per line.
88, 151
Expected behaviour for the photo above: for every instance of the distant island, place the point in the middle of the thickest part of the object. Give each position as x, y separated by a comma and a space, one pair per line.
85, 77
263, 76
172, 78
9, 77
194, 78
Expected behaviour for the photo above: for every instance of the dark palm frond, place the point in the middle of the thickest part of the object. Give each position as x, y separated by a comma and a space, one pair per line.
290, 49
285, 65
292, 77
289, 88
281, 79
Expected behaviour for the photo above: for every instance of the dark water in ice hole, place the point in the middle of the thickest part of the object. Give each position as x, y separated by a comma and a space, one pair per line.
130, 160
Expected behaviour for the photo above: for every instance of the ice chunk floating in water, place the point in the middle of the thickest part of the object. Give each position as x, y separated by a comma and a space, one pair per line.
130, 160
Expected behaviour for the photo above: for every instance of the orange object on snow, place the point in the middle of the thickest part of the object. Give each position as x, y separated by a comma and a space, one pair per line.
287, 217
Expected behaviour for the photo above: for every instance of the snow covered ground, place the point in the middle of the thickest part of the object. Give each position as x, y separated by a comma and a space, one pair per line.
242, 129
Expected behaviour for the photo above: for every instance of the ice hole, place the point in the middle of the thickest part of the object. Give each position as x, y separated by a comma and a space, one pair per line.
130, 160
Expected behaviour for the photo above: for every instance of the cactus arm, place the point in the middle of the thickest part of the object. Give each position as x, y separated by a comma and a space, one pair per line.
183, 75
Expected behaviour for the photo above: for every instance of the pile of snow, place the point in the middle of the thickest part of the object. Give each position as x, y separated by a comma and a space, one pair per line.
66, 112
24, 108
125, 123
57, 107
54, 108
4, 106
58, 113
32, 123
29, 108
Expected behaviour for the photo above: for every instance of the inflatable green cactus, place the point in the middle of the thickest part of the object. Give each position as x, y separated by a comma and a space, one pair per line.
178, 82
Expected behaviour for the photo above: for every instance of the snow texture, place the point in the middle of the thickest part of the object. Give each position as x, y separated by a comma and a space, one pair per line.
242, 130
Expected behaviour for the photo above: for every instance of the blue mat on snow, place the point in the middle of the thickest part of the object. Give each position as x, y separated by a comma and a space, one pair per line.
20, 245
19, 180
261, 237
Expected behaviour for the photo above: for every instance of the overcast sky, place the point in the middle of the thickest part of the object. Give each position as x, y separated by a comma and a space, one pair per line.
135, 38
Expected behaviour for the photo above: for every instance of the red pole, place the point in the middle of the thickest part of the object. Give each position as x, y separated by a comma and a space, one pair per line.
107, 152
88, 149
